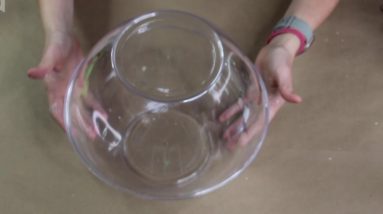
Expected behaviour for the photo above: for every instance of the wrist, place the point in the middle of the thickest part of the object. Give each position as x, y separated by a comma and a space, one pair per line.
64, 37
288, 41
293, 26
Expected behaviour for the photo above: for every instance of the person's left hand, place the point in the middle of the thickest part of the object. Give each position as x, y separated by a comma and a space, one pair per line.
275, 61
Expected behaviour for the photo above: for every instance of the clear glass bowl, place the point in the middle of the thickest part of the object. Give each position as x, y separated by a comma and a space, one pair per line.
159, 105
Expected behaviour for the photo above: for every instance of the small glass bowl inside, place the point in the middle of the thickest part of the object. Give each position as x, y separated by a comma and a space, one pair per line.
161, 106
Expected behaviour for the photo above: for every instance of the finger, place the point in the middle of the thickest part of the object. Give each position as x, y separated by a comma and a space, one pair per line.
92, 103
246, 137
275, 104
37, 73
291, 97
232, 142
285, 85
233, 133
232, 110
251, 132
85, 122
234, 129
50, 61
57, 111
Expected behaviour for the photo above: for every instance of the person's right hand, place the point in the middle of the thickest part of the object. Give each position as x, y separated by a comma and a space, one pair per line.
61, 55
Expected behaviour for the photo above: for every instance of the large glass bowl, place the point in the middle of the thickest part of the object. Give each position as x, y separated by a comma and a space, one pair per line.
162, 107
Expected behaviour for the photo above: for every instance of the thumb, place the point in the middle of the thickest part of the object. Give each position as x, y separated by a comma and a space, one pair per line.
38, 72
51, 60
285, 85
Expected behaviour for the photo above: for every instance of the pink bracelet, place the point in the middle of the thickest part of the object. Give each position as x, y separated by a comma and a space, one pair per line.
297, 33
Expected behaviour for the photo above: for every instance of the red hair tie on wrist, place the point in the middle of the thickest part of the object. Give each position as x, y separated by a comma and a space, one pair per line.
297, 27
297, 33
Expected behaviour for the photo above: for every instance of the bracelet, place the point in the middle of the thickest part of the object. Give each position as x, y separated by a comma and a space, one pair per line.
298, 34
296, 26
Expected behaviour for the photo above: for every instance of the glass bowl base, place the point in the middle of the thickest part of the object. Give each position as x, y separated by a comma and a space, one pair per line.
166, 147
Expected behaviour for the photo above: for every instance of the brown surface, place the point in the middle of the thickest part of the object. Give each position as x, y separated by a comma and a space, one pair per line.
324, 156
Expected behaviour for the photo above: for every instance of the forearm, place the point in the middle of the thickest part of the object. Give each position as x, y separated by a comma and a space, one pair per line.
314, 12
57, 16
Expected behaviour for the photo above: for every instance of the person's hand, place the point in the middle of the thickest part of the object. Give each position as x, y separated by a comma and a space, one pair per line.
275, 61
61, 55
